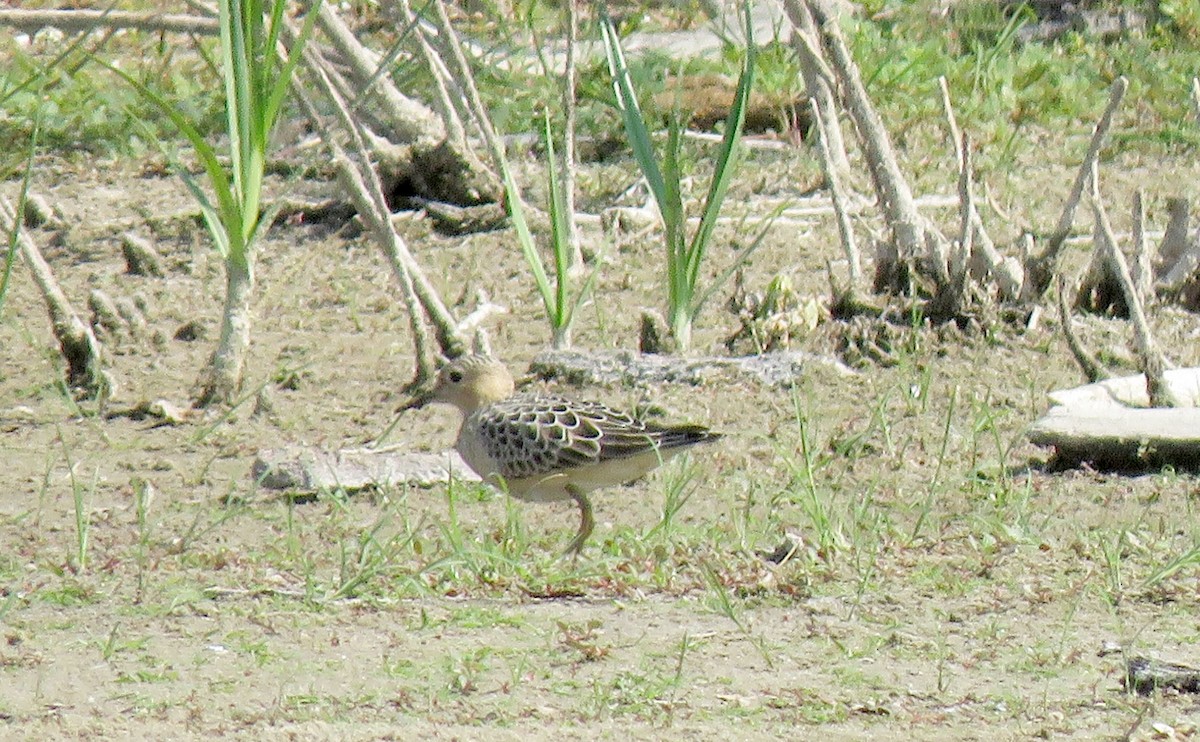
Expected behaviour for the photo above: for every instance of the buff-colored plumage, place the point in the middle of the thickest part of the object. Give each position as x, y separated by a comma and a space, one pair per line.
545, 448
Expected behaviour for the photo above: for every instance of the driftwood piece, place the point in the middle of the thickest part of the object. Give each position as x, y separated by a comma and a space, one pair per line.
307, 469
1120, 437
1109, 424
1144, 675
779, 370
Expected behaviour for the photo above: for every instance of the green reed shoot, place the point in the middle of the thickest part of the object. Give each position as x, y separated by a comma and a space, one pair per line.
685, 257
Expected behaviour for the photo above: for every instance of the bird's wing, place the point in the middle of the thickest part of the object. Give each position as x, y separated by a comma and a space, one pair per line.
531, 435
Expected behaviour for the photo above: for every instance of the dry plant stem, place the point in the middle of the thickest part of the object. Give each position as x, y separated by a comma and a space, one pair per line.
353, 183
1092, 369
951, 121
365, 190
895, 197
845, 228
567, 171
1196, 98
443, 101
1044, 266
819, 82
1153, 363
451, 45
78, 343
88, 20
1143, 259
410, 121
1174, 245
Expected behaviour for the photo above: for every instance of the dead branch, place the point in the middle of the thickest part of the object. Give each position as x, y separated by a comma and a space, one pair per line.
1040, 270
951, 120
365, 190
1091, 366
1154, 364
89, 20
1196, 98
845, 228
1143, 259
910, 231
80, 349
819, 81
1174, 244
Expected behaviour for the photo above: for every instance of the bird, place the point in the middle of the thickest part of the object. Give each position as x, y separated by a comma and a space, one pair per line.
545, 448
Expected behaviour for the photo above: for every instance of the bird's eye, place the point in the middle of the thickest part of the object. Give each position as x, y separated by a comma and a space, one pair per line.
456, 376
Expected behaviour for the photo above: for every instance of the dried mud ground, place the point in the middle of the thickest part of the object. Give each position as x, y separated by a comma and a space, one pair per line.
949, 584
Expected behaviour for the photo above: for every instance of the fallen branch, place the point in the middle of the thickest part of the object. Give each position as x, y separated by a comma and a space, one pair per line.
1041, 270
1154, 364
80, 349
90, 20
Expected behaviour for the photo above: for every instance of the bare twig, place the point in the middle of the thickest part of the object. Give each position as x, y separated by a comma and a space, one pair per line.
1092, 369
80, 349
845, 228
951, 121
1154, 364
366, 192
1196, 98
819, 81
89, 20
442, 80
567, 171
1044, 266
1143, 259
895, 197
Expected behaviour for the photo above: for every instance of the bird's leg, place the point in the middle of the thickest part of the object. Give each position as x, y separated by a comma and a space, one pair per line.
586, 521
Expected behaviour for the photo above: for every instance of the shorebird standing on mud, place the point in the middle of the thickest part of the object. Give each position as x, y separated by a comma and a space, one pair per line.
545, 448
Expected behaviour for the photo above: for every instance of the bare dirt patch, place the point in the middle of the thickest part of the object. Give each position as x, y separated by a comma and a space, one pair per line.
947, 585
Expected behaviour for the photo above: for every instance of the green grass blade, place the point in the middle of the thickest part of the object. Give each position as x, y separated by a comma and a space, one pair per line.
227, 206
738, 261
516, 212
726, 156
284, 78
631, 113
558, 233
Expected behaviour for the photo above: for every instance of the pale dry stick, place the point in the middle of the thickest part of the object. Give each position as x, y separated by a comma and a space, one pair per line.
1174, 244
80, 348
895, 197
1043, 267
366, 191
1092, 368
89, 20
451, 45
1154, 364
566, 172
1143, 258
985, 260
443, 101
833, 178
819, 81
951, 121
410, 121
1196, 98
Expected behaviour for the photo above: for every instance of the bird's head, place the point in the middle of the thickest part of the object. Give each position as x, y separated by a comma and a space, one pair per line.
471, 382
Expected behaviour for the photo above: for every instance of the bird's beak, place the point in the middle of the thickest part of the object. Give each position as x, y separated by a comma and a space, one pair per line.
416, 400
